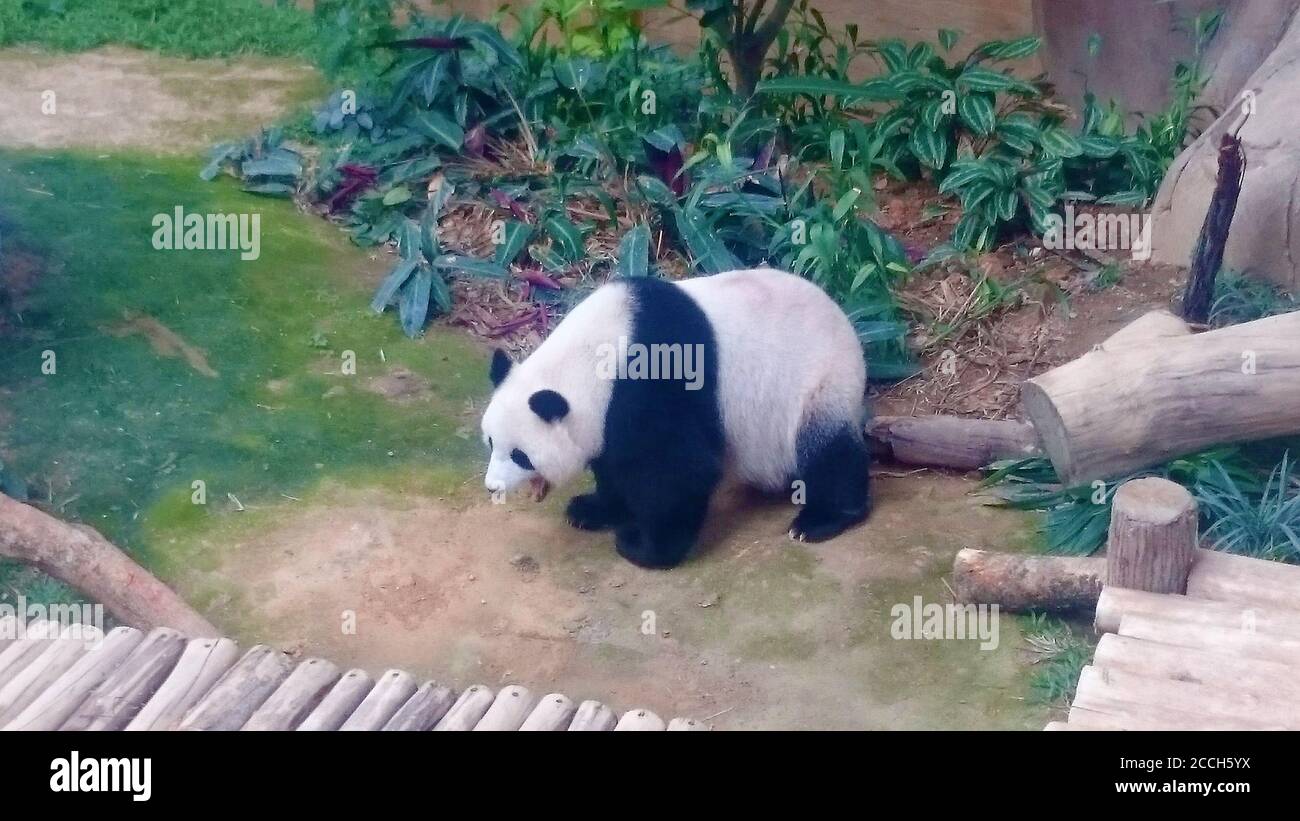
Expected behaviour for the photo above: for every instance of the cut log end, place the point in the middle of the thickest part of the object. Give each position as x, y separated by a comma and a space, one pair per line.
1153, 536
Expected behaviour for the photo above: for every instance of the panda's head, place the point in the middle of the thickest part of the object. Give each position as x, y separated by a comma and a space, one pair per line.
526, 429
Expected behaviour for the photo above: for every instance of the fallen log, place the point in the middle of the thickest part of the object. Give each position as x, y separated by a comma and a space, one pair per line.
1131, 404
951, 441
87, 561
1099, 689
1221, 671
1023, 582
1229, 640
1242, 580
1100, 712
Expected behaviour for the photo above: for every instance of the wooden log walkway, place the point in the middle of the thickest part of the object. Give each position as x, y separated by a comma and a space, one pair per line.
127, 680
1219, 652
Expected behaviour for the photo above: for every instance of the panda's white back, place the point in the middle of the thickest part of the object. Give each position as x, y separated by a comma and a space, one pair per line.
787, 355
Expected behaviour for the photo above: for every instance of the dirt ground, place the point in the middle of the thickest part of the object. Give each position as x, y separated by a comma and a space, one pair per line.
753, 631
116, 98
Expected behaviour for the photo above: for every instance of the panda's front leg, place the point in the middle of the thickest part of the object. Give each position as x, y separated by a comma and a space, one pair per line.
602, 509
596, 511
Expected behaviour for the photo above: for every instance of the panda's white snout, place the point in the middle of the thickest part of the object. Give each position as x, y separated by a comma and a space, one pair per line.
503, 475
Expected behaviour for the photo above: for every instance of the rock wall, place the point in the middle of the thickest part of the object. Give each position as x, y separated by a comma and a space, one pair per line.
1263, 241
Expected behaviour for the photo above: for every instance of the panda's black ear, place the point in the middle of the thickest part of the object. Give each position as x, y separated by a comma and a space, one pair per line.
549, 405
501, 365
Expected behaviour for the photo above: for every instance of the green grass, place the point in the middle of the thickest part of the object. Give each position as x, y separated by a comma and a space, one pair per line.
186, 28
1059, 656
116, 437
1239, 298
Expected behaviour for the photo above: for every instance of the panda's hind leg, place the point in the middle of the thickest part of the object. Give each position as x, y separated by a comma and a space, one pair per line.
834, 466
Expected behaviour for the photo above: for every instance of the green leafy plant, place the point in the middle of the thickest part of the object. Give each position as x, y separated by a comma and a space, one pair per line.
1248, 500
1124, 168
587, 28
417, 285
1077, 518
1239, 298
264, 163
985, 135
1262, 521
1059, 656
943, 102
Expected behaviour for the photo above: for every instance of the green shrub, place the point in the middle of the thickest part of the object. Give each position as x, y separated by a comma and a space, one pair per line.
1239, 298
1253, 518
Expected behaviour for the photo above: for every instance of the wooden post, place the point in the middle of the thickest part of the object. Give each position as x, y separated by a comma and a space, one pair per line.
1153, 535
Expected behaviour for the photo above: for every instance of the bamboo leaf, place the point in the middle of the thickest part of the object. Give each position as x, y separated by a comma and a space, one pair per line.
634, 253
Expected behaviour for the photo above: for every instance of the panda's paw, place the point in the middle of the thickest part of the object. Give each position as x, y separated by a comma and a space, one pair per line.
644, 551
811, 526
590, 512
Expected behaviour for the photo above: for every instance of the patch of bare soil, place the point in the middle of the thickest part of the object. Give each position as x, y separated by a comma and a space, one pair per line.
115, 98
980, 330
164, 341
753, 631
19, 272
400, 385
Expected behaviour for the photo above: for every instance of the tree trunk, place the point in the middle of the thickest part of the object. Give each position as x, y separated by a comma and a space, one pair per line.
1124, 407
87, 561
1208, 258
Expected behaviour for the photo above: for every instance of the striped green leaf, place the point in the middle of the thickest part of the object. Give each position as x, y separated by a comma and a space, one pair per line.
710, 255
566, 236
470, 266
516, 236
929, 147
392, 283
873, 90
1057, 142
634, 253
977, 111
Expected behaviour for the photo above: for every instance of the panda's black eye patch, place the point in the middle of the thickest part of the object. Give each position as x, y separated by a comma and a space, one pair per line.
520, 458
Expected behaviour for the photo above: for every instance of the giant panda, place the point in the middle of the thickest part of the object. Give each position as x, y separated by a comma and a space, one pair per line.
776, 398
